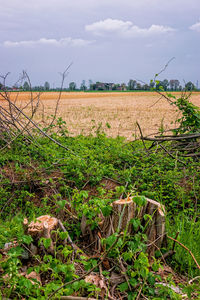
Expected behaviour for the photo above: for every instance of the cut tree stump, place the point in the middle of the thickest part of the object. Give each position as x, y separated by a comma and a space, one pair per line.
124, 210
41, 227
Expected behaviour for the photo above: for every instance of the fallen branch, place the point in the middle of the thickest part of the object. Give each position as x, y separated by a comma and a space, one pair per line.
198, 266
74, 247
171, 155
124, 273
171, 251
194, 279
142, 137
75, 298
172, 138
139, 293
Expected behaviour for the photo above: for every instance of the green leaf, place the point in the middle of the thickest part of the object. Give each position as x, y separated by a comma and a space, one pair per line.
46, 243
63, 235
144, 272
136, 223
133, 282
127, 255
108, 125
151, 278
106, 210
27, 239
123, 287
140, 200
61, 203
147, 216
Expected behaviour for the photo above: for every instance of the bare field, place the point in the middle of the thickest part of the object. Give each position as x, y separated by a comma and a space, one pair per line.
82, 111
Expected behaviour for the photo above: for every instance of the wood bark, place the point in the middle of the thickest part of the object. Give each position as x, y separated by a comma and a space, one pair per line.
124, 210
42, 227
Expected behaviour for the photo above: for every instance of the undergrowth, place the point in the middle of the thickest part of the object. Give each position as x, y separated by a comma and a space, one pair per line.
39, 177
45, 179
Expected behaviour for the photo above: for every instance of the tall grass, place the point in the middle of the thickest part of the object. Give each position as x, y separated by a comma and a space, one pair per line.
189, 236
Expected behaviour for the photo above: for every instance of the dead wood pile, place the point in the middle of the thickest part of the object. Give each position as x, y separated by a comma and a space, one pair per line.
24, 118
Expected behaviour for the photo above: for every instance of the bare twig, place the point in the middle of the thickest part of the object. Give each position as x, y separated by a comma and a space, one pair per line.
75, 298
76, 248
13, 119
193, 257
142, 138
139, 293
173, 138
124, 273
172, 155
64, 74
165, 67
194, 279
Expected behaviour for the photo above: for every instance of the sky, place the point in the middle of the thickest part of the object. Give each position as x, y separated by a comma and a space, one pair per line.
106, 40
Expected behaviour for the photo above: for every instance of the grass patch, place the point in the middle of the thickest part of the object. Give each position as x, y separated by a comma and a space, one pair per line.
41, 178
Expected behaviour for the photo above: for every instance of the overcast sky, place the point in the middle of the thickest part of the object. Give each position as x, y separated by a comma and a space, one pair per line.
107, 40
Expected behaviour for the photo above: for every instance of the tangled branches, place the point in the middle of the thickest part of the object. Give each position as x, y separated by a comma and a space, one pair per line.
185, 139
19, 117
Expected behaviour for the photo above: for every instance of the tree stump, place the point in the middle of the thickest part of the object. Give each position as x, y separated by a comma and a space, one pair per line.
124, 210
42, 227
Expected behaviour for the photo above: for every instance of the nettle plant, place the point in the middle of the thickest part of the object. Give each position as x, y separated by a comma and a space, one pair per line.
189, 121
17, 264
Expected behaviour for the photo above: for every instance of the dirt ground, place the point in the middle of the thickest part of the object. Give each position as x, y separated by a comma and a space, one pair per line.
83, 112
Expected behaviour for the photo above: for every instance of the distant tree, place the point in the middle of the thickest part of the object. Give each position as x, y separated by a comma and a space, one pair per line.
92, 86
189, 86
26, 86
83, 86
165, 84
90, 83
46, 86
132, 84
158, 84
116, 87
1, 86
176, 84
180, 88
72, 86
146, 87
38, 88
152, 84
100, 86
124, 87
138, 86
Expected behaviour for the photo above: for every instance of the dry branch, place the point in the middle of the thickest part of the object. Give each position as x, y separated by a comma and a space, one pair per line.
75, 298
74, 246
173, 138
14, 121
193, 257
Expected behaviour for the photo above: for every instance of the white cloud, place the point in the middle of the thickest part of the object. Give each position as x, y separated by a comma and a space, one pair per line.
108, 25
68, 41
195, 27
125, 28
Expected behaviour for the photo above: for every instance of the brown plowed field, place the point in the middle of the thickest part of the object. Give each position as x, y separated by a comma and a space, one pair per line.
83, 111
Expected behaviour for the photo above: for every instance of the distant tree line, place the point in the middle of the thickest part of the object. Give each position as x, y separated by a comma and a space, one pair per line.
132, 85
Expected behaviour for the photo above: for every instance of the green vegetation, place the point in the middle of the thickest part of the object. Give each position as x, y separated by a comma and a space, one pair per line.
39, 178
